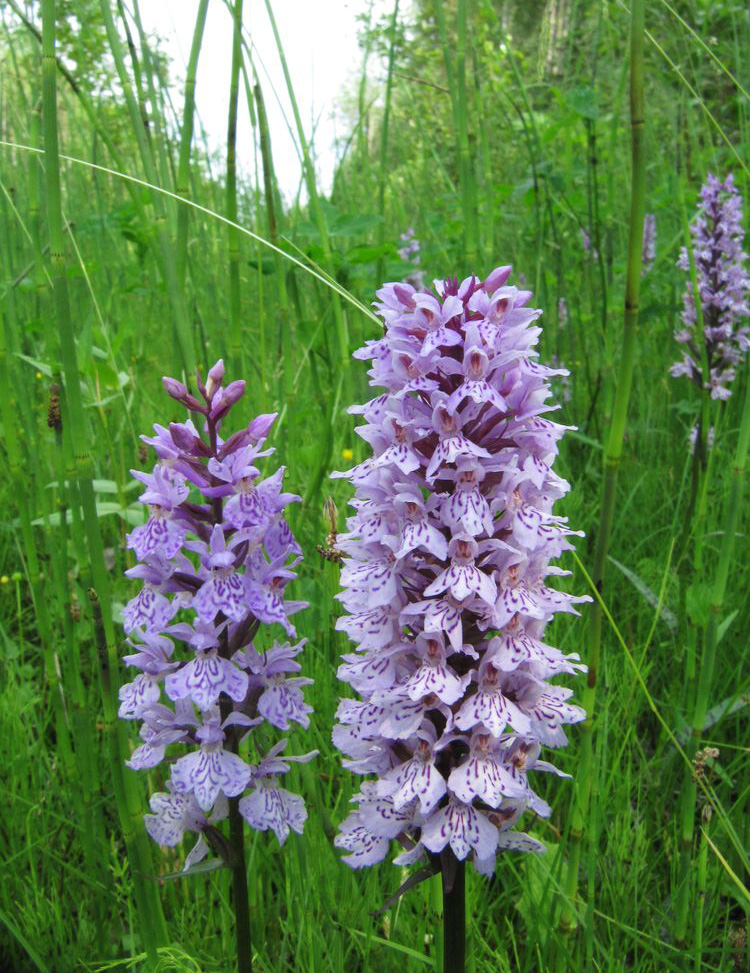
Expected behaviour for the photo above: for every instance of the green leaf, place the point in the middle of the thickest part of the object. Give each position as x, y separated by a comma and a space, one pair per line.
133, 514
582, 99
666, 615
354, 224
122, 380
101, 486
391, 944
723, 626
540, 880
726, 708
583, 438
366, 253
208, 865
9, 647
40, 366
305, 228
266, 265
698, 604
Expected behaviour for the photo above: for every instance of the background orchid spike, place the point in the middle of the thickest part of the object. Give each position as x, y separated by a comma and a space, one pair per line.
724, 288
410, 252
216, 555
445, 583
649, 242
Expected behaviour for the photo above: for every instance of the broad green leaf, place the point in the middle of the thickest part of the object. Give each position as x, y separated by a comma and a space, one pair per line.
133, 514
40, 366
724, 625
368, 254
666, 615
102, 486
354, 224
582, 99
727, 707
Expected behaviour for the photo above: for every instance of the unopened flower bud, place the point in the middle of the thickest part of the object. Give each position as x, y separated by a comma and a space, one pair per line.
176, 389
225, 399
261, 425
184, 439
497, 278
215, 378
405, 294
236, 441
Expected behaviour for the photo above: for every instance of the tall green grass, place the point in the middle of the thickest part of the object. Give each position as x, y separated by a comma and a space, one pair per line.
503, 139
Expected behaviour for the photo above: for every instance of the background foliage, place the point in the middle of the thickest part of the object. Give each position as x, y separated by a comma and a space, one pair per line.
501, 141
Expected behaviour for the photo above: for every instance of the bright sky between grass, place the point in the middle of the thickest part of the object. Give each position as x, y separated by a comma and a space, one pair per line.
320, 43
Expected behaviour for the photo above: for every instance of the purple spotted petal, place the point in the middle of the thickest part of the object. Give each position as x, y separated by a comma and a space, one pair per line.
205, 678
364, 847
172, 815
485, 778
207, 771
463, 828
282, 701
221, 593
416, 779
159, 535
269, 806
149, 610
138, 696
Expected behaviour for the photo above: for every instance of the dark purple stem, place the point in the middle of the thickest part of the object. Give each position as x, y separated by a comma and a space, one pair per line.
240, 898
454, 916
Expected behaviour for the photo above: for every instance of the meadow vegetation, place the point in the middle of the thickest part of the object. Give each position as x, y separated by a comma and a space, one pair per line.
499, 131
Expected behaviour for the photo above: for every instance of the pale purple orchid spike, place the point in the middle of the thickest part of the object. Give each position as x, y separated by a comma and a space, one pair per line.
724, 289
445, 579
216, 555
649, 243
410, 252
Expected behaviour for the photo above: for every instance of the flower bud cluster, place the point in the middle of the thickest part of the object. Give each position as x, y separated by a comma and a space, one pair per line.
214, 556
445, 582
724, 288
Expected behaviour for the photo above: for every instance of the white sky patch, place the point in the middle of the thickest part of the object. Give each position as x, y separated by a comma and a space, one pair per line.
320, 45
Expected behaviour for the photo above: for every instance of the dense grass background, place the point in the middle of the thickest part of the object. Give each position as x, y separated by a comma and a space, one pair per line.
500, 132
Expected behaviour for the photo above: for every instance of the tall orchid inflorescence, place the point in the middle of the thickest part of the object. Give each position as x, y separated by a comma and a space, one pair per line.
445, 584
215, 556
724, 288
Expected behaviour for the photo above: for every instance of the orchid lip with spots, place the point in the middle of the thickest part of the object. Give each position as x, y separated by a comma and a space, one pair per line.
444, 584
215, 557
